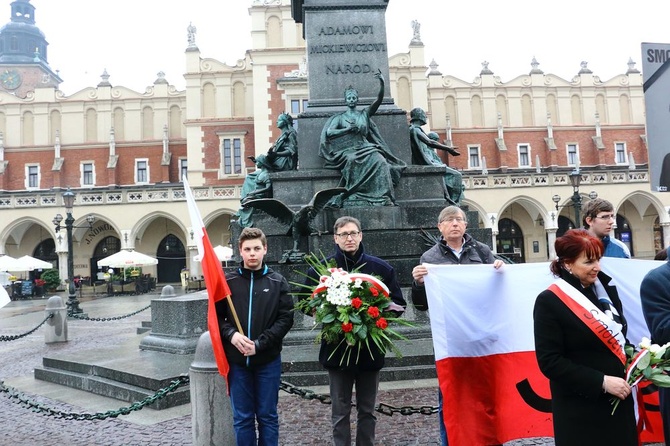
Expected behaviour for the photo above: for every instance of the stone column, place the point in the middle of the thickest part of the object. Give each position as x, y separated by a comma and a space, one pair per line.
211, 413
551, 239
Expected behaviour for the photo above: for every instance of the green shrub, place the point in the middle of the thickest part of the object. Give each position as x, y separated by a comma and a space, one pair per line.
52, 279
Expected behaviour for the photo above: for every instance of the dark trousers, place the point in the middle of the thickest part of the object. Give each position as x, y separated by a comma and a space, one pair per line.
341, 386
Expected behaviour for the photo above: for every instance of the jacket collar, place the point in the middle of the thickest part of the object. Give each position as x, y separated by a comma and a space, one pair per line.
244, 272
349, 261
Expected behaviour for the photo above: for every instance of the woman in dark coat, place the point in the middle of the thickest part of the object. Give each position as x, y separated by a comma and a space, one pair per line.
585, 363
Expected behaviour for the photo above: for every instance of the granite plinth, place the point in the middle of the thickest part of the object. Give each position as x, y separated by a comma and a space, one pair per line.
177, 323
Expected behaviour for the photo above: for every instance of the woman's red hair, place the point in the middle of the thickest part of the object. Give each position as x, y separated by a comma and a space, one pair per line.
573, 244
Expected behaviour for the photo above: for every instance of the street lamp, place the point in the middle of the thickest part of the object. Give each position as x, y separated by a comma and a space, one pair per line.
68, 200
575, 181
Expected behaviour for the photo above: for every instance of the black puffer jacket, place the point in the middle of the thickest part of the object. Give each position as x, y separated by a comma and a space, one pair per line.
265, 310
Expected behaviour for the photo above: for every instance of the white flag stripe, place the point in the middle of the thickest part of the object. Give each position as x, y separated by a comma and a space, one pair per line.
476, 310
196, 220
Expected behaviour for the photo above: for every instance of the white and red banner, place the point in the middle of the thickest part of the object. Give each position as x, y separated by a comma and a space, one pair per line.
482, 324
4, 297
215, 280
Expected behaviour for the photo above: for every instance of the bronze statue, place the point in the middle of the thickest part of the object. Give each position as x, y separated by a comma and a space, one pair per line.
283, 155
299, 222
352, 144
256, 185
423, 154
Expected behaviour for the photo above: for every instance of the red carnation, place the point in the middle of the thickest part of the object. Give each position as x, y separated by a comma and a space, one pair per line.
374, 291
373, 312
381, 323
356, 302
349, 326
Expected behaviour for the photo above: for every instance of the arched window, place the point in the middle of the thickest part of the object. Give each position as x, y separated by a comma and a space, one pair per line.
208, 100
119, 127
147, 123
501, 107
477, 111
510, 240
28, 134
576, 109
91, 125
624, 232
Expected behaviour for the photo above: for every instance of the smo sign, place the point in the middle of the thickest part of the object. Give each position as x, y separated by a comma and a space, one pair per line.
656, 77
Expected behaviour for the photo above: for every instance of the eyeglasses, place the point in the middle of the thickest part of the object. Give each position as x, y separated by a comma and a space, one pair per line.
606, 217
346, 235
453, 219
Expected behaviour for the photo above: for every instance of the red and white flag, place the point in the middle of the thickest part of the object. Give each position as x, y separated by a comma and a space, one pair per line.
482, 324
215, 280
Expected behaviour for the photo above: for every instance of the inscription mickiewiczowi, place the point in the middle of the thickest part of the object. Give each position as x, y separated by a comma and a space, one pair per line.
344, 48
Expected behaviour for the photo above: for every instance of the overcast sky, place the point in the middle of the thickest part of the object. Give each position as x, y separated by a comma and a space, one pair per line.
134, 40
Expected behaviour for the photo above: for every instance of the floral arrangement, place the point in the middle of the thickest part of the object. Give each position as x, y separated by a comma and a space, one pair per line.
650, 363
352, 308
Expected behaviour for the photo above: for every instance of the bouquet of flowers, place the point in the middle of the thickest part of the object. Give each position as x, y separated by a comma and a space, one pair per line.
650, 363
352, 308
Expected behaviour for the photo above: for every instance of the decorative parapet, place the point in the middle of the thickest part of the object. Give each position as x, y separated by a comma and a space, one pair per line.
10, 200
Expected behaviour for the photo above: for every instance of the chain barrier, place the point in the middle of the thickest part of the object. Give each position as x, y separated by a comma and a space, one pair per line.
382, 408
15, 337
106, 319
36, 406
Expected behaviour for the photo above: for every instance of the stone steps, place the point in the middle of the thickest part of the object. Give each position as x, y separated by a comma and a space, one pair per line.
130, 374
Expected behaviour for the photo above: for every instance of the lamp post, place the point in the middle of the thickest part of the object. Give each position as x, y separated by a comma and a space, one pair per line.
575, 181
68, 201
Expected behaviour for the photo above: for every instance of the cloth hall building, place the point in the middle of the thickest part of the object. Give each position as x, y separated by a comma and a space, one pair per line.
123, 152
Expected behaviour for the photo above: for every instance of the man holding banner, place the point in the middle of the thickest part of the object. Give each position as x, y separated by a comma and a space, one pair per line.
455, 248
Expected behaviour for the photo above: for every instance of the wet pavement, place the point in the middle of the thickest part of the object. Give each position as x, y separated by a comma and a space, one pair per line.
302, 422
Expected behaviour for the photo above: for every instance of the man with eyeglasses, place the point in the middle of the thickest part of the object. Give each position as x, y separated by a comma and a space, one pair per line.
457, 248
350, 255
598, 218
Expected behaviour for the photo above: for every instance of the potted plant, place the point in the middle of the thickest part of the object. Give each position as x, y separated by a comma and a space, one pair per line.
51, 279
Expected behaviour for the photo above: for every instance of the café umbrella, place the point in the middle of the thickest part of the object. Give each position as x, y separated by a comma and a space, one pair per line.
224, 253
127, 259
8, 263
28, 263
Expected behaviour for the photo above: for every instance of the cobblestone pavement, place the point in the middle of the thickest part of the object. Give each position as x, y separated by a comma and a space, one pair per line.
302, 422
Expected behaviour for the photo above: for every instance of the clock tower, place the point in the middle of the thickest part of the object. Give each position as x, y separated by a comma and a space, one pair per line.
23, 53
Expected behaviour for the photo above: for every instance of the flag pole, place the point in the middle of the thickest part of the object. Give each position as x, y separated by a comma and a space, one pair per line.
234, 313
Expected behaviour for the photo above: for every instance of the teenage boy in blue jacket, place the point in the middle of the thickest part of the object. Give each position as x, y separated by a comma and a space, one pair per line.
265, 310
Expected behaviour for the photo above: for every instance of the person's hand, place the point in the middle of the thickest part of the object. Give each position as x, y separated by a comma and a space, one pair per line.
498, 263
616, 386
418, 272
252, 350
243, 344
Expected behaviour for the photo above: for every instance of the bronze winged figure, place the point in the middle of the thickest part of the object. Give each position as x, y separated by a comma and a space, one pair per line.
300, 221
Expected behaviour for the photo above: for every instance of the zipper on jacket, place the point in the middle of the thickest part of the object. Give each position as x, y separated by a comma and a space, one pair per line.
251, 302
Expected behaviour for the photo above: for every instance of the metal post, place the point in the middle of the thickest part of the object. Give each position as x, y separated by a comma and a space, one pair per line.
72, 301
577, 203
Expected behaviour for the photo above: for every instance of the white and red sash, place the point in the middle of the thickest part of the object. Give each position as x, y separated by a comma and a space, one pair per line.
608, 331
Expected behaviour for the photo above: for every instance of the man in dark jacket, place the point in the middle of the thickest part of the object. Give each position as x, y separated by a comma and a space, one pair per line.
455, 247
350, 255
264, 309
